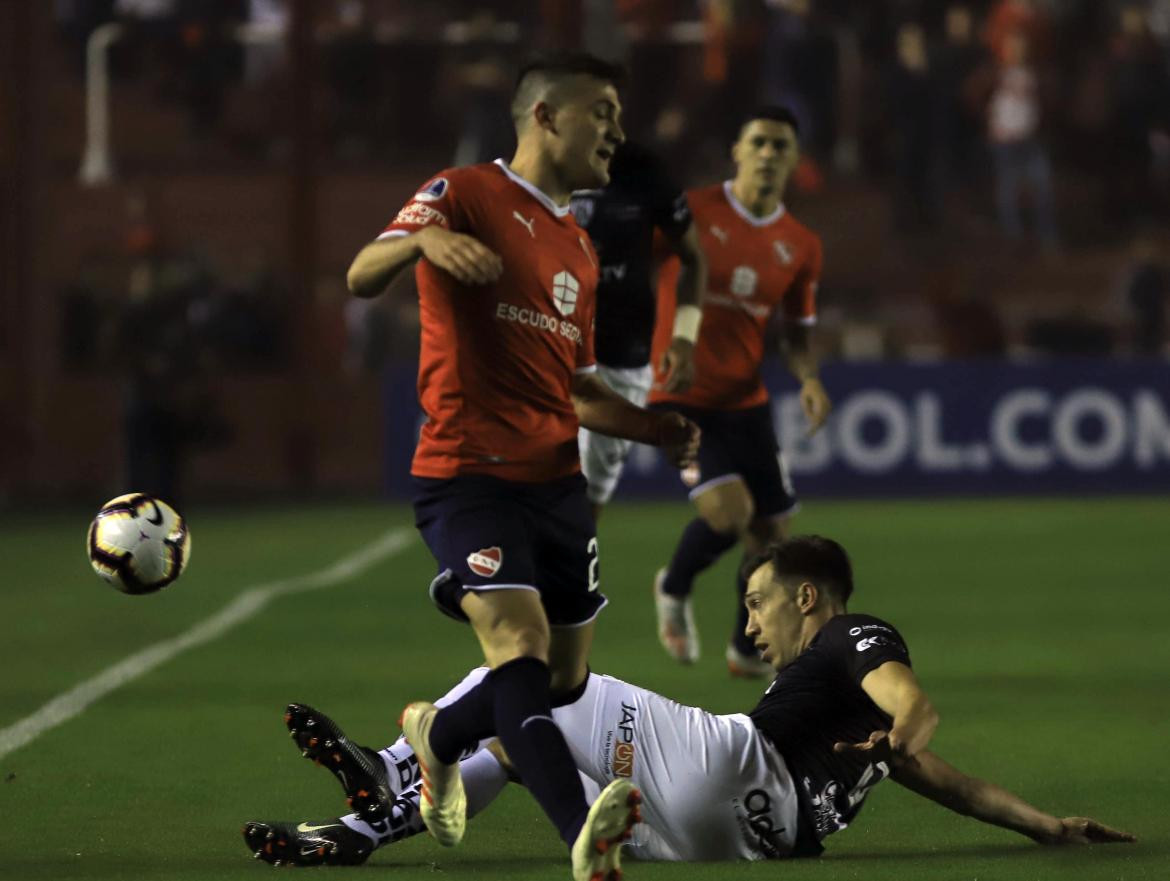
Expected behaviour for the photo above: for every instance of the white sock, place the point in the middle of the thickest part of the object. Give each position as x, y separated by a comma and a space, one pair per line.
401, 765
483, 779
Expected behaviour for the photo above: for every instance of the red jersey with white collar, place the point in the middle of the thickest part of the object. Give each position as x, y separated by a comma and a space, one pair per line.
757, 266
497, 361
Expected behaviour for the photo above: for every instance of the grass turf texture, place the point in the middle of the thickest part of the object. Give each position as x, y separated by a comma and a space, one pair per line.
1037, 626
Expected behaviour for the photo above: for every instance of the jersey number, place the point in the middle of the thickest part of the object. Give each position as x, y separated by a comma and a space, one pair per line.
593, 561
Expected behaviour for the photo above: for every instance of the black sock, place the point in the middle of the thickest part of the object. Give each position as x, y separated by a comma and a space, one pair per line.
744, 645
699, 547
461, 725
535, 744
574, 694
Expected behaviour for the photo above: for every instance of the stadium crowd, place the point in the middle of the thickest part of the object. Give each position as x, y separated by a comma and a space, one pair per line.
949, 129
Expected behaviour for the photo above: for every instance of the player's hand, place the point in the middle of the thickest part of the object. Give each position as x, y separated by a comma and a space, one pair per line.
878, 748
815, 403
464, 257
1084, 830
678, 366
679, 439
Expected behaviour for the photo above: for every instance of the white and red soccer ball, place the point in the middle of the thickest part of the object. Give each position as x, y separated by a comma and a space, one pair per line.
138, 543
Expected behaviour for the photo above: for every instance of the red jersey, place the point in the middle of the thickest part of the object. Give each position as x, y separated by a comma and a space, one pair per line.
497, 361
756, 266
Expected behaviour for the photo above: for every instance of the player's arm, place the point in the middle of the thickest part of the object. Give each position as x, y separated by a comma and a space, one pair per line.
931, 777
464, 257
678, 366
800, 309
802, 362
601, 409
895, 689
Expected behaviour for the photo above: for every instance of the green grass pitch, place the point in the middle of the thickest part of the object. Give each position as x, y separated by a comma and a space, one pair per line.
1039, 628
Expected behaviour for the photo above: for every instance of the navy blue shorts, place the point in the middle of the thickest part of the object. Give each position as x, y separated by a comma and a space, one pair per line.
741, 443
490, 534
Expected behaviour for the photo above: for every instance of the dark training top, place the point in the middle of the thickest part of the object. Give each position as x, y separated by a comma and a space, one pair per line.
620, 220
816, 701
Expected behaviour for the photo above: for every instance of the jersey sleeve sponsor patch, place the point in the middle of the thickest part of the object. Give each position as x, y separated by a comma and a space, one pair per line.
861, 644
436, 204
432, 191
416, 214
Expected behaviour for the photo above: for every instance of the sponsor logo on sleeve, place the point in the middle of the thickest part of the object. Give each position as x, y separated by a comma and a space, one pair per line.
433, 191
869, 642
856, 631
486, 562
416, 214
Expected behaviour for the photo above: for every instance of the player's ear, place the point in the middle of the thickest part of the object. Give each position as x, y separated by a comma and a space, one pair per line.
806, 597
545, 115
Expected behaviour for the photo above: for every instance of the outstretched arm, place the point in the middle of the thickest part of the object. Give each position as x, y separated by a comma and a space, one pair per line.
894, 687
601, 409
930, 776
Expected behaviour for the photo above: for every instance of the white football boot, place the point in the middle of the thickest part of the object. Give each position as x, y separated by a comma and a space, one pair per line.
676, 624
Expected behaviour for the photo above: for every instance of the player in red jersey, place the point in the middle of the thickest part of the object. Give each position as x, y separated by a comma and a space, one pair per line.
506, 286
763, 265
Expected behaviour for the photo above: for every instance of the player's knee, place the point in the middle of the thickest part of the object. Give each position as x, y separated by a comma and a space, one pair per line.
524, 642
730, 516
565, 680
764, 531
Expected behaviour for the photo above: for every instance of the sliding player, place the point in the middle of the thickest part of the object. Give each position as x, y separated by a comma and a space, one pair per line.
844, 712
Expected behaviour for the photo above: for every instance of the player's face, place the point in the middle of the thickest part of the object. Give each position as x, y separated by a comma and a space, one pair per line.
587, 133
765, 154
774, 618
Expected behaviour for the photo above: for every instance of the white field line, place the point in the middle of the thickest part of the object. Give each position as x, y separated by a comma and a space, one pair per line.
73, 702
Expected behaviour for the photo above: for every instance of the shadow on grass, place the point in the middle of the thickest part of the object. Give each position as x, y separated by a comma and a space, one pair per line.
1000, 851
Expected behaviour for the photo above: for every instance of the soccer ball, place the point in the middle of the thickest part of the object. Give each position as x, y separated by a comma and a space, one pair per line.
138, 543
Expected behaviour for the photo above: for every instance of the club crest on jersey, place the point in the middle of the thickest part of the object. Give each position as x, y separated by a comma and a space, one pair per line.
743, 281
564, 292
783, 253
486, 562
433, 191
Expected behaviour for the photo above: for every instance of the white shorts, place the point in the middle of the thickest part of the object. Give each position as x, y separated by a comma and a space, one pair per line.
713, 787
602, 456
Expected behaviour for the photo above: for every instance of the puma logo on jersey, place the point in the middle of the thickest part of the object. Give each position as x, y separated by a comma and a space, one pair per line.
719, 233
528, 224
783, 253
